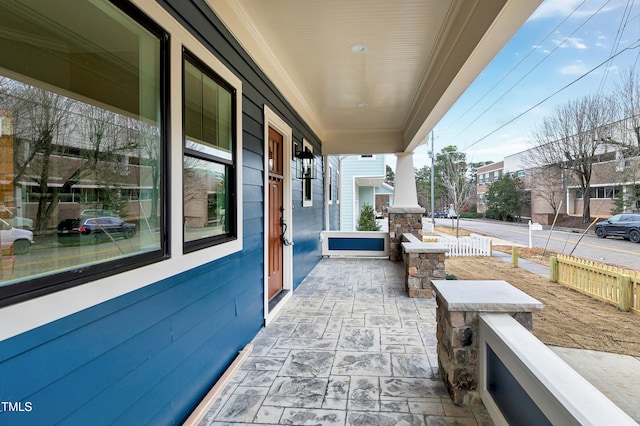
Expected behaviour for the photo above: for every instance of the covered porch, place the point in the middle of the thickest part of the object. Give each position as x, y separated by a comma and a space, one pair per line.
350, 347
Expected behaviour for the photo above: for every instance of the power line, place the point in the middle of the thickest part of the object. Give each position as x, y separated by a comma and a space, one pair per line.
553, 94
614, 46
534, 67
504, 77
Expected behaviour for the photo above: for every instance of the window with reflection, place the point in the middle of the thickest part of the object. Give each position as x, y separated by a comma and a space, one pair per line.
81, 131
208, 168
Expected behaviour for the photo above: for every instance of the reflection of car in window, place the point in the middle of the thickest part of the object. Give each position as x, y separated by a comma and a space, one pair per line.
624, 225
96, 213
13, 220
93, 230
20, 239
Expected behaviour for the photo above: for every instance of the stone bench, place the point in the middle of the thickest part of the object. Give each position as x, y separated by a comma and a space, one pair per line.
423, 262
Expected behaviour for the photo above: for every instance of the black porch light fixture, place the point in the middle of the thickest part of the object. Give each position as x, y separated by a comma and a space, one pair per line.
305, 164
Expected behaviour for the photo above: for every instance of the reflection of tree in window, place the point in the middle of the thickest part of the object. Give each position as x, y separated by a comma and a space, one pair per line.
62, 144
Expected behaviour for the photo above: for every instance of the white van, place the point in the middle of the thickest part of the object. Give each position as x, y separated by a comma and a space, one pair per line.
21, 239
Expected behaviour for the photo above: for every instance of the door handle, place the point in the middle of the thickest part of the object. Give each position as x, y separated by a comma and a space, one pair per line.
283, 225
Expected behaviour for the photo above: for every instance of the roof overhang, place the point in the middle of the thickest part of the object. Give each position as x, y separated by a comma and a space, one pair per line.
374, 181
420, 56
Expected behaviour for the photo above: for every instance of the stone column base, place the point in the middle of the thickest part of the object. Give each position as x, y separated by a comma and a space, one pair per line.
401, 220
459, 303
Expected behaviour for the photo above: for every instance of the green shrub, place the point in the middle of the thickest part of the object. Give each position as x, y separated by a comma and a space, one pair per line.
367, 221
470, 215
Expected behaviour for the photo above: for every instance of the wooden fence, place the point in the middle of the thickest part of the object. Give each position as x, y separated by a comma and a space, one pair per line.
614, 285
473, 245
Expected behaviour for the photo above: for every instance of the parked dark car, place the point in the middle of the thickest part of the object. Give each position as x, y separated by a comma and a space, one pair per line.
93, 229
625, 225
96, 213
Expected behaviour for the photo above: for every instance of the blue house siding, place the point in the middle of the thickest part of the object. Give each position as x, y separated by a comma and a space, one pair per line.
149, 356
117, 359
307, 224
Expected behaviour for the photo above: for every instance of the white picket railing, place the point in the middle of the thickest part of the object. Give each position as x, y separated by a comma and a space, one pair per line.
473, 245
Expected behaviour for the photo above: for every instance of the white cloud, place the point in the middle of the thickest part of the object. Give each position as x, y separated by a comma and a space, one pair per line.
576, 68
601, 40
555, 8
573, 42
564, 8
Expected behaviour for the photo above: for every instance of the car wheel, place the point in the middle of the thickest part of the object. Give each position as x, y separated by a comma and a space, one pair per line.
634, 236
601, 233
129, 233
21, 247
95, 238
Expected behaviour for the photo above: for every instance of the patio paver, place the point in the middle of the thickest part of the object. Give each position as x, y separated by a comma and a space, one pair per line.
349, 348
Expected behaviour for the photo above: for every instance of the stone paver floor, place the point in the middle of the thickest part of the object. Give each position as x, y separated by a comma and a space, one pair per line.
349, 348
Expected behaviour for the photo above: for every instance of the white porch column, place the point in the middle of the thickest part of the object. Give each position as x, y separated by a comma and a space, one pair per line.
405, 215
405, 194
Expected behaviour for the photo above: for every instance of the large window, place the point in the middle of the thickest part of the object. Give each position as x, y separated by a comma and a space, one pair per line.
600, 192
81, 142
209, 172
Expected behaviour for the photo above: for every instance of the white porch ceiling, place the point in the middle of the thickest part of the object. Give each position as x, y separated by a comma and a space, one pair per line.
421, 55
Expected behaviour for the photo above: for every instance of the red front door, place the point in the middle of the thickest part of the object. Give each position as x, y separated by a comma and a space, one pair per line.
276, 212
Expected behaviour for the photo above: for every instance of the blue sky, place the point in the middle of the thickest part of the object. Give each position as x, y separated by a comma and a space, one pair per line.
561, 42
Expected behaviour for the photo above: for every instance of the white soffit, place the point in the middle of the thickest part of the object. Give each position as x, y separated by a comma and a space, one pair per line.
420, 57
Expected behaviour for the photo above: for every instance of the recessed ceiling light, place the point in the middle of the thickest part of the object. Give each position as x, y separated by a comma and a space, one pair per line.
363, 105
358, 48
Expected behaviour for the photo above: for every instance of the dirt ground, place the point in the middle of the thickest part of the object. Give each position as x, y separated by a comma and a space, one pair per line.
569, 318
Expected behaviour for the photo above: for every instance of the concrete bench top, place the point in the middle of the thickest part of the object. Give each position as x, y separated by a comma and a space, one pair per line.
410, 238
484, 296
424, 248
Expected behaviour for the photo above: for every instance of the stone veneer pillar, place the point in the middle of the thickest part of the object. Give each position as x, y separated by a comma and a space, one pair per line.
423, 263
401, 220
458, 304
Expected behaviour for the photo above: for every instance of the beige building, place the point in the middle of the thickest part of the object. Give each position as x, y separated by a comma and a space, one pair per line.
551, 189
485, 176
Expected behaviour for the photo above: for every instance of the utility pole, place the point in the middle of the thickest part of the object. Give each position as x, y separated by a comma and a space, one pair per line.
433, 156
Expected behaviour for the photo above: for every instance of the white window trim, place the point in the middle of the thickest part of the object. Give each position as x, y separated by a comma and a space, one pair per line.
338, 185
330, 185
22, 317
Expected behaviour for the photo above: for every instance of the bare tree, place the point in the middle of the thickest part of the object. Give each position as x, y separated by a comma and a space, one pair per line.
150, 148
59, 141
572, 138
628, 141
455, 173
548, 184
40, 120
628, 98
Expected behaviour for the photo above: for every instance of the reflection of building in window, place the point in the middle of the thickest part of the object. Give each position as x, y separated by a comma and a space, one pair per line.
86, 133
208, 160
204, 195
